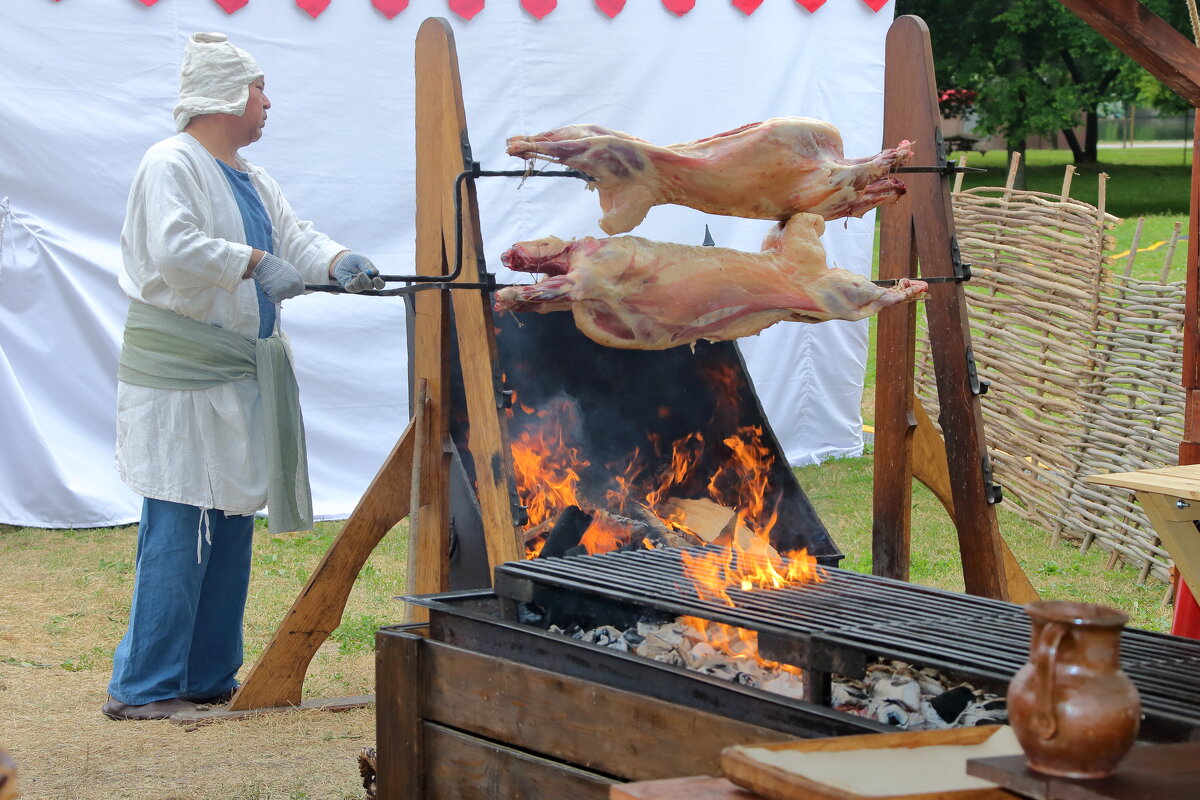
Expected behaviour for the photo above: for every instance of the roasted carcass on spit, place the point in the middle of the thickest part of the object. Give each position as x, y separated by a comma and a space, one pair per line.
637, 294
766, 170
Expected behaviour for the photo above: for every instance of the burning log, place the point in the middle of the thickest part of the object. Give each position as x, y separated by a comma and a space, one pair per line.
659, 534
567, 532
708, 520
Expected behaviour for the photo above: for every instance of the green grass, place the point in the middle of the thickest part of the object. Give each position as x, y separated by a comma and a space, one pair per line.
1142, 181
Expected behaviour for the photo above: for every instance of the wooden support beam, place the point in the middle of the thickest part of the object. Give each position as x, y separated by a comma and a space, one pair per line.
914, 114
895, 337
478, 359
1146, 38
277, 678
931, 469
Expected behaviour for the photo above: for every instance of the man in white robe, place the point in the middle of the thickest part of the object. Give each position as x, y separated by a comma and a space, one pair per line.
208, 420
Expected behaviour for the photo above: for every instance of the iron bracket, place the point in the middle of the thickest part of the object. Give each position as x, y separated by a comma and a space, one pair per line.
978, 387
994, 492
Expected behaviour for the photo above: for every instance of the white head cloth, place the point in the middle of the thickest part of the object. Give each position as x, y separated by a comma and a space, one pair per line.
215, 78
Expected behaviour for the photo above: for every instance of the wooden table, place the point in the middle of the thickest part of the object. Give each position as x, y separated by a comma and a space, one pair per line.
1171, 499
698, 787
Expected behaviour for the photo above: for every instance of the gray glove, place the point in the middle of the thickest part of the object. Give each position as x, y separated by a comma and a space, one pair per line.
279, 279
356, 273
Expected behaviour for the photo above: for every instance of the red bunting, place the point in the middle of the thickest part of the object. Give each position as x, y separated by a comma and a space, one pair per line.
390, 8
314, 7
539, 8
679, 7
610, 7
466, 8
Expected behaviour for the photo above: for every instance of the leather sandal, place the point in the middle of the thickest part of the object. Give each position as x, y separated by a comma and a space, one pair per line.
159, 709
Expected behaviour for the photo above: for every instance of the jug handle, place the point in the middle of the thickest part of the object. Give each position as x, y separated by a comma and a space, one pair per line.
1044, 720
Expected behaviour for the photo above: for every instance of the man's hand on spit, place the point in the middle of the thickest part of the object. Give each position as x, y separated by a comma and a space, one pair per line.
356, 273
279, 279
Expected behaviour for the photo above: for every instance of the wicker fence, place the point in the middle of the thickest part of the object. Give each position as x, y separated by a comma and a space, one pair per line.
1085, 366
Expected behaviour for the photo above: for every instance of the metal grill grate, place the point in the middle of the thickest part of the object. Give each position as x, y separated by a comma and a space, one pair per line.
850, 618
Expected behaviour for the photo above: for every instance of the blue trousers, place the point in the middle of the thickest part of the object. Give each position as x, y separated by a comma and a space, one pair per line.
185, 623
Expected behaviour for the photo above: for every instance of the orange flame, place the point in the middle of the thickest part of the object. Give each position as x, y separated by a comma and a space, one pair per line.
756, 566
736, 643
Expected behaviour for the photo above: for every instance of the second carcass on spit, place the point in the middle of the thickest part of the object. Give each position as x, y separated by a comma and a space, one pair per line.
636, 294
766, 170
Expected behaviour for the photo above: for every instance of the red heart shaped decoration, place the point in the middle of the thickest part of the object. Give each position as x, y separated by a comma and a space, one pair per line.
466, 8
390, 8
679, 7
539, 8
149, 2
313, 7
876, 4
812, 5
230, 6
747, 7
611, 7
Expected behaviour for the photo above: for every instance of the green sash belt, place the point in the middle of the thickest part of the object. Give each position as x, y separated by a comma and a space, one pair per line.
165, 350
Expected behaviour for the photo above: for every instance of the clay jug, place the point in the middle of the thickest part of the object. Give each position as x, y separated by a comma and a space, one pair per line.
1074, 711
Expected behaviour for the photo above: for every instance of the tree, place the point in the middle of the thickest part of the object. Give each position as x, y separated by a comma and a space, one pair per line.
1033, 67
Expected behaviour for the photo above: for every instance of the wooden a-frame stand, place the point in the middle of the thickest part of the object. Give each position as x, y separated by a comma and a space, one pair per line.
413, 480
920, 228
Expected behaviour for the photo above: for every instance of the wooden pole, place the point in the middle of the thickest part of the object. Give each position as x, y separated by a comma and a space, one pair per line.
911, 112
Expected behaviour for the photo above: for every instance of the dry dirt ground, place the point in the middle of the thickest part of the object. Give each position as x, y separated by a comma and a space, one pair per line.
64, 599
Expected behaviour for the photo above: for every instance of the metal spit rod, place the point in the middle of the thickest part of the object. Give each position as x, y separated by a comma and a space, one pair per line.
419, 283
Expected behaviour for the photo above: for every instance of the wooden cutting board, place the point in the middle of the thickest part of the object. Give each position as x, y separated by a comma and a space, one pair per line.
775, 783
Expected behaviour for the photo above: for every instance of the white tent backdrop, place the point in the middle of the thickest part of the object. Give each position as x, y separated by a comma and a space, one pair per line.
86, 87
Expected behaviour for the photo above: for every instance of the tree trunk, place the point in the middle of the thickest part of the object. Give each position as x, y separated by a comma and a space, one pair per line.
1077, 153
1091, 137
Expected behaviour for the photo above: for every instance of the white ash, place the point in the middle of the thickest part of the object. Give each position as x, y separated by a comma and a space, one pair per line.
899, 694
891, 692
682, 645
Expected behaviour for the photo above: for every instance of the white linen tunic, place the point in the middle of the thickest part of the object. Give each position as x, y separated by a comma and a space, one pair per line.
183, 250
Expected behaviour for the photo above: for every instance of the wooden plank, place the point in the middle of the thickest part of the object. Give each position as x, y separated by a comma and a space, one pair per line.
463, 767
895, 344
572, 720
400, 680
1179, 537
1190, 449
770, 781
277, 678
696, 787
1148, 772
432, 309
930, 468
1182, 482
961, 416
1146, 38
489, 443
194, 719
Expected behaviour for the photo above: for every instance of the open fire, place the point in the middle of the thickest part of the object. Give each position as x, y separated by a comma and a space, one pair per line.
685, 492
